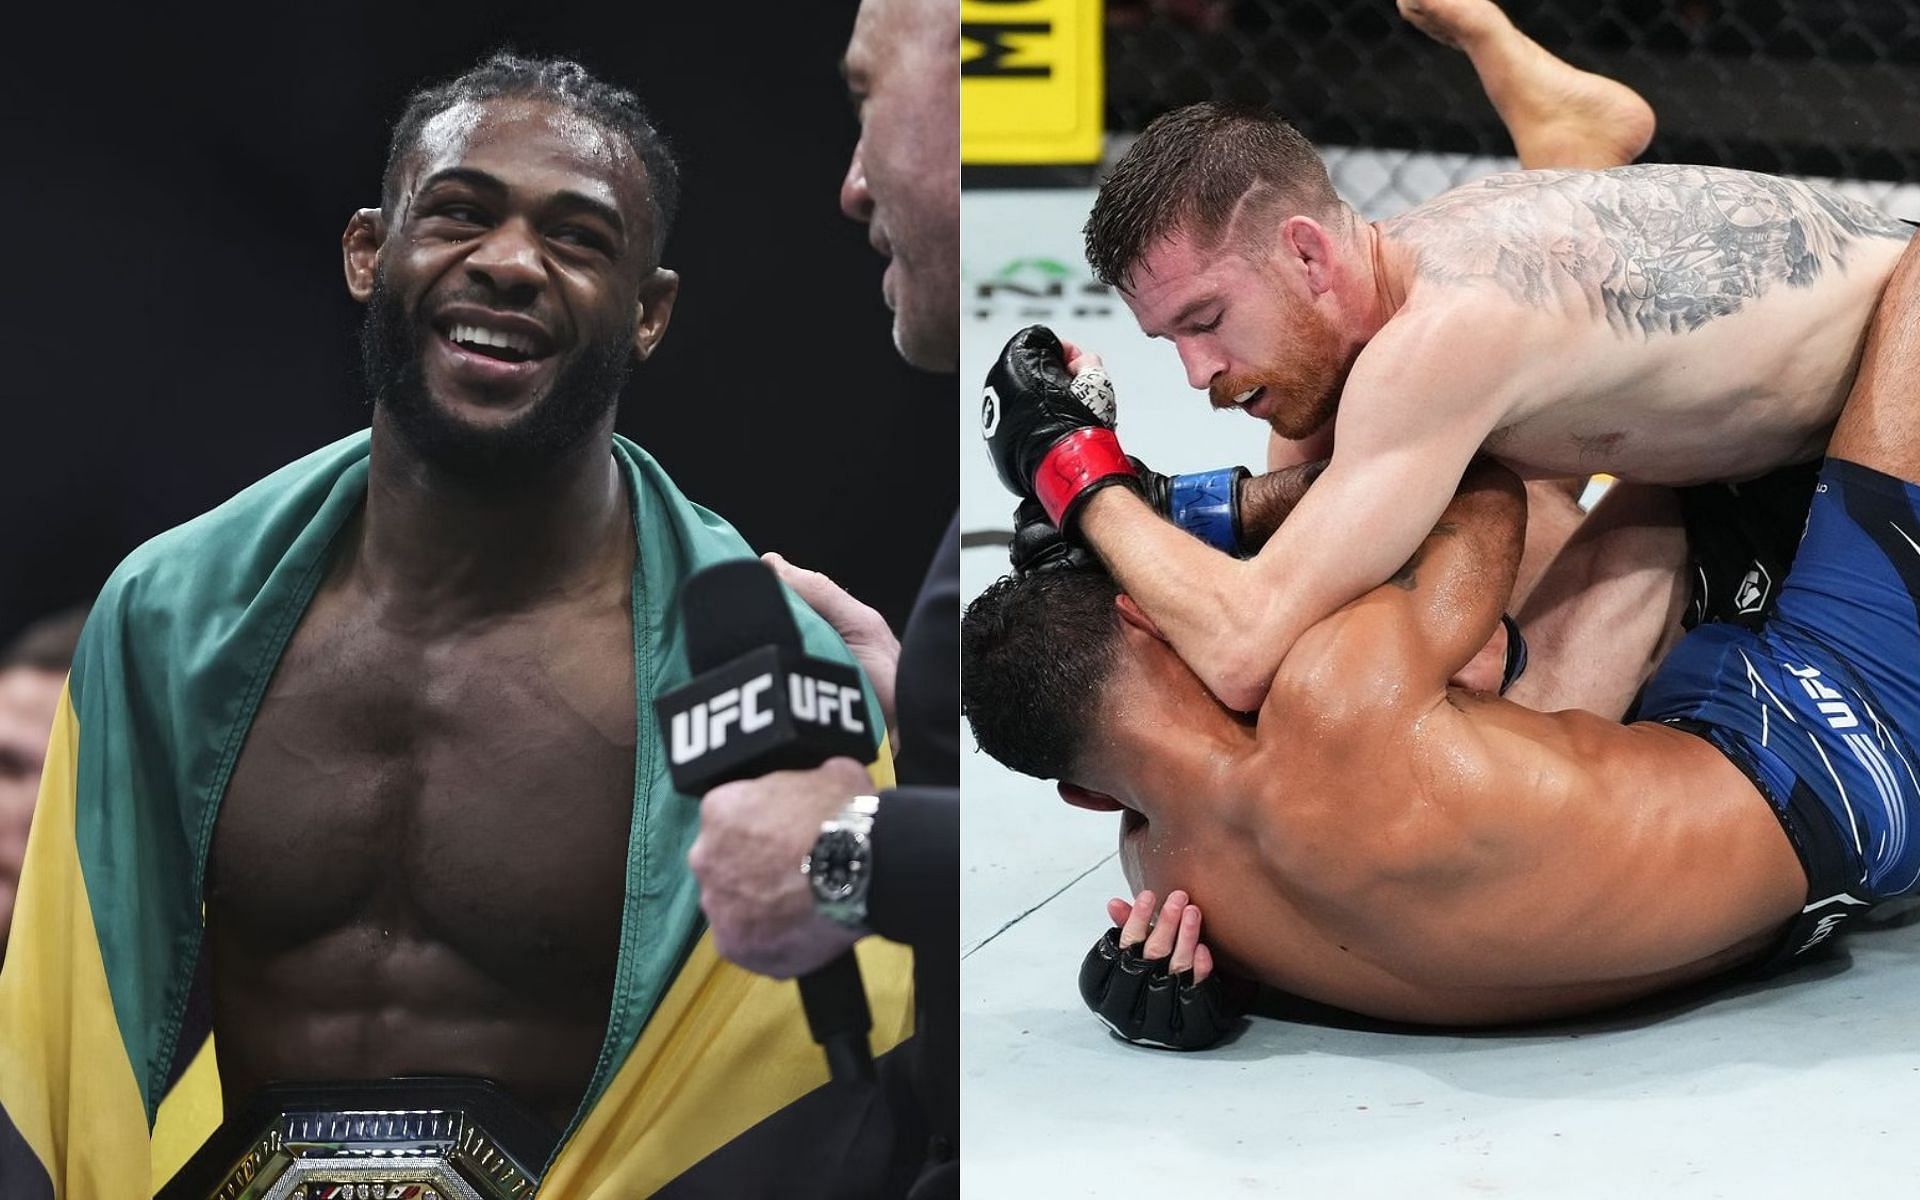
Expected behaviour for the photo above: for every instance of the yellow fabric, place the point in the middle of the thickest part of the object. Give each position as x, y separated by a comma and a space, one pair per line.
880, 770
188, 1116
62, 1061
725, 1050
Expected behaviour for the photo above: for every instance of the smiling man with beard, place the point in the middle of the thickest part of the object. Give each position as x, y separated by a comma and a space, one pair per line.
351, 773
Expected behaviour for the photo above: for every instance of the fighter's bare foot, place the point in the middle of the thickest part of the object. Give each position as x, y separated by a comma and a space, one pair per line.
1454, 22
1557, 114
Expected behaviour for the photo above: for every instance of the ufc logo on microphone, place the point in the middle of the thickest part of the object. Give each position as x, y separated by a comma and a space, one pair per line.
704, 726
821, 702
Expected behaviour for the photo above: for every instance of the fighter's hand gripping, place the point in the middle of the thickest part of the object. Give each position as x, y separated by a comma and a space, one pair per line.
1159, 989
1045, 443
1038, 545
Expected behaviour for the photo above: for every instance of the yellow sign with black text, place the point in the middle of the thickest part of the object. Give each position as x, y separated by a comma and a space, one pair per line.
1031, 83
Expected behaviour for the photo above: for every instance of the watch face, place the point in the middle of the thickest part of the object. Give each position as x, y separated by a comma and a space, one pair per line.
837, 864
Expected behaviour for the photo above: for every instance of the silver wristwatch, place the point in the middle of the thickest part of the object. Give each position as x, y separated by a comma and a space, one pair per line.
841, 864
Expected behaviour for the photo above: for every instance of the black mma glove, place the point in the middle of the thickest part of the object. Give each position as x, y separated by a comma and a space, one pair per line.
1038, 546
1147, 1004
1046, 444
1153, 486
1516, 664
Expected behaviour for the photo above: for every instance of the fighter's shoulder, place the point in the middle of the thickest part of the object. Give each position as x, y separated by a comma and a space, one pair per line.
1643, 189
1341, 682
1504, 200
1454, 338
1516, 199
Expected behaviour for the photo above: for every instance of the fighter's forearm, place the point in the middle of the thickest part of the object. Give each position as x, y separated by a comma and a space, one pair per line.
1234, 622
1200, 598
1265, 501
1452, 591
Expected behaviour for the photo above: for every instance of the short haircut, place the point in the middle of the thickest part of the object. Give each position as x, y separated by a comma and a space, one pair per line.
1189, 171
1036, 651
47, 644
562, 82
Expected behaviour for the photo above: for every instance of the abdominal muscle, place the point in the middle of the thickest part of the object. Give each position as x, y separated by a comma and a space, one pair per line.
363, 1003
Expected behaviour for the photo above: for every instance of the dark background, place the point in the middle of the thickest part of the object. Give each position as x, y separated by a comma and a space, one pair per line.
177, 326
1804, 87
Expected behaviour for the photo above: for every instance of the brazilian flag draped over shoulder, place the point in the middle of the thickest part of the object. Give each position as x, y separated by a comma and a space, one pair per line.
108, 1077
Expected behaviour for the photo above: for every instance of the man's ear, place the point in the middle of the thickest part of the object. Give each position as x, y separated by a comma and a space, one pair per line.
1087, 798
360, 248
1309, 242
1135, 616
657, 293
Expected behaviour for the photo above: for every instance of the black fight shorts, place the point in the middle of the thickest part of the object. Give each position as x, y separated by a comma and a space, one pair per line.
1741, 539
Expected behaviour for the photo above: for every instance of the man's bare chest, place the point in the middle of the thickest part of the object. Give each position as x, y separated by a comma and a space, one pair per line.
474, 792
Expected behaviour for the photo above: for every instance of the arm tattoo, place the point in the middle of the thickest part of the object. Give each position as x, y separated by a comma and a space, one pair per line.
1405, 578
1650, 249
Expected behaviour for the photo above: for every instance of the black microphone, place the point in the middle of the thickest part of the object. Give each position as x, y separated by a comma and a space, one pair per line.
758, 703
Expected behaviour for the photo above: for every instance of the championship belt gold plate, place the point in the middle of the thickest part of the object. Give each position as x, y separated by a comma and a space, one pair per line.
415, 1138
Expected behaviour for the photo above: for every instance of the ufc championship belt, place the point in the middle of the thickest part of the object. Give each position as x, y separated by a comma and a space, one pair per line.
408, 1138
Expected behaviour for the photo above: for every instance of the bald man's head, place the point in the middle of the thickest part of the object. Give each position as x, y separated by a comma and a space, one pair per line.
903, 68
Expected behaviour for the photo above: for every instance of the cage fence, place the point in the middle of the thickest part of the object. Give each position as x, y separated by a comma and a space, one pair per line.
1826, 89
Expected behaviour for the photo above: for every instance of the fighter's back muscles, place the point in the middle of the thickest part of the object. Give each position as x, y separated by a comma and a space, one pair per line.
1702, 323
1437, 856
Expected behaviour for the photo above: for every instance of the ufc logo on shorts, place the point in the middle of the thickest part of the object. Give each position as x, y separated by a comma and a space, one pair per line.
1828, 701
704, 726
821, 702
1823, 929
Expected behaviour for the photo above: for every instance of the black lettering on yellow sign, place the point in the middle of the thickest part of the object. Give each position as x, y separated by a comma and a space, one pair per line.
995, 49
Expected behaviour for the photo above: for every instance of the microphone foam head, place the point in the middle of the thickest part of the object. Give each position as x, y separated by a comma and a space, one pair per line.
731, 608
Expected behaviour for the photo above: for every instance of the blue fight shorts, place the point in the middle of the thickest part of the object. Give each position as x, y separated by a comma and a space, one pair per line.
1821, 706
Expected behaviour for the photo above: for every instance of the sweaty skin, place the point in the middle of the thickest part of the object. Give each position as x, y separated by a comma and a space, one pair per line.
1384, 842
1669, 325
420, 860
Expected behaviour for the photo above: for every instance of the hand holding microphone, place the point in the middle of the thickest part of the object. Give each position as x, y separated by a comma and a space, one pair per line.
754, 833
770, 737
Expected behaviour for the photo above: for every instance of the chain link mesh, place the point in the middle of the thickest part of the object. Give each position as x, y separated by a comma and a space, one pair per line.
1819, 88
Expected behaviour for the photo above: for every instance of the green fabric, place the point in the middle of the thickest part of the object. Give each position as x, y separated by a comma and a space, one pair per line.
170, 671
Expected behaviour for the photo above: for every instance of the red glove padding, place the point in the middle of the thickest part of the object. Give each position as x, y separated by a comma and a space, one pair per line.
1045, 444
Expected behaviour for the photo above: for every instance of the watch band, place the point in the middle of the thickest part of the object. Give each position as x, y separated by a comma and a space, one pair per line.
840, 866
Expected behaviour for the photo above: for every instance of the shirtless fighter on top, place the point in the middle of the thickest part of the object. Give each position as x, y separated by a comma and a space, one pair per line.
1381, 841
1667, 324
